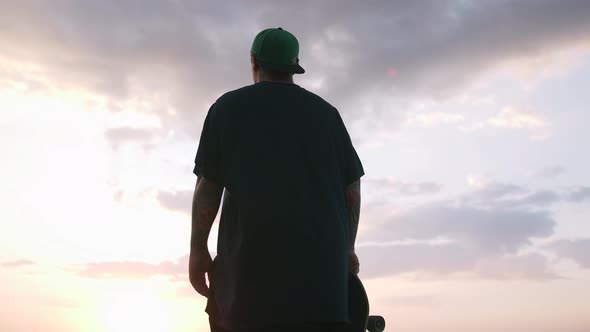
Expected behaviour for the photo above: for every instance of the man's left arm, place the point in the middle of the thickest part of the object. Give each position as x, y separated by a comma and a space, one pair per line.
206, 201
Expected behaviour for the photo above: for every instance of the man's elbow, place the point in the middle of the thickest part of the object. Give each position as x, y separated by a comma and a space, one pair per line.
355, 186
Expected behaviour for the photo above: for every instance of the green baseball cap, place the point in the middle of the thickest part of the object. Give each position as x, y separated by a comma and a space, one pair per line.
277, 49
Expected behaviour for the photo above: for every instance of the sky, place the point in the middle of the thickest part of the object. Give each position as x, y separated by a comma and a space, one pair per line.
470, 118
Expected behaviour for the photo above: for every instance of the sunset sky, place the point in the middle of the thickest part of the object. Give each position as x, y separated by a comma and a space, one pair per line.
471, 119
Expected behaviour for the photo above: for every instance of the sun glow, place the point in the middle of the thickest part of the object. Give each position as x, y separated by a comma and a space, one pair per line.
133, 307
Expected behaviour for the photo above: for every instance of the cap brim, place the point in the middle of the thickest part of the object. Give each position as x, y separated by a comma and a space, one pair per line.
292, 69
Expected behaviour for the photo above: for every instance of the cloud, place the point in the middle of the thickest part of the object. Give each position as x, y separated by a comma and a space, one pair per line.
179, 201
123, 135
579, 194
389, 185
511, 118
17, 263
549, 171
507, 118
175, 271
134, 269
478, 181
510, 196
517, 119
491, 191
539, 198
180, 55
514, 199
449, 260
485, 233
434, 118
480, 234
578, 250
481, 230
441, 259
531, 266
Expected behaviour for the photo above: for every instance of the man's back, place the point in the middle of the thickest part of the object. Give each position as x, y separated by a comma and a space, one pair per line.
285, 158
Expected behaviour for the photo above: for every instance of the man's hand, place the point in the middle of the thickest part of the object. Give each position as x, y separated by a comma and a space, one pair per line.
199, 264
353, 262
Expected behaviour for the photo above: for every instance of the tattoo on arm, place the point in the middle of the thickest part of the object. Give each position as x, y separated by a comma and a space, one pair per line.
352, 196
206, 201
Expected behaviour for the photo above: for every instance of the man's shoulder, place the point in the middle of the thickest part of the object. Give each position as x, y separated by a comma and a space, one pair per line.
318, 100
249, 91
237, 93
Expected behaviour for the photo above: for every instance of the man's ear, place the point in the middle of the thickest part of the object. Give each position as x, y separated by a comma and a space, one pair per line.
253, 62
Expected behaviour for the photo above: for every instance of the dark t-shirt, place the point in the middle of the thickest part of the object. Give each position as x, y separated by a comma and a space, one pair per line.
284, 156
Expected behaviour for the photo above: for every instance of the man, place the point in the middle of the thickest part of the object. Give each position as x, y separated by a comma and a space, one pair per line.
291, 206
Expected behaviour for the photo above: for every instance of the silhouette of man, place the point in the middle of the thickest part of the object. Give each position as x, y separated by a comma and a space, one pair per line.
291, 205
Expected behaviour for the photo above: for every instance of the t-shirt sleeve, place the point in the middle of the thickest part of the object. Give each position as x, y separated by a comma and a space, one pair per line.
208, 161
351, 168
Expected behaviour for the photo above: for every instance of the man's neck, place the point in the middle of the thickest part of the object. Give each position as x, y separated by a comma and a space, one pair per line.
272, 79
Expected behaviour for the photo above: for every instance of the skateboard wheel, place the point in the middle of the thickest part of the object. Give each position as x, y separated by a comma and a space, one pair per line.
376, 324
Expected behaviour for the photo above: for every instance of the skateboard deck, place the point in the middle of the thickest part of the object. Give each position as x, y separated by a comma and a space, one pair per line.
358, 304
358, 308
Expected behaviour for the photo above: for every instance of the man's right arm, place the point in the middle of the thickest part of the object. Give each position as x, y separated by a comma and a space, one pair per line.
352, 196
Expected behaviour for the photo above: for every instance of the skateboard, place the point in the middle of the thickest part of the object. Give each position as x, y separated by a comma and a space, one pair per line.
358, 308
